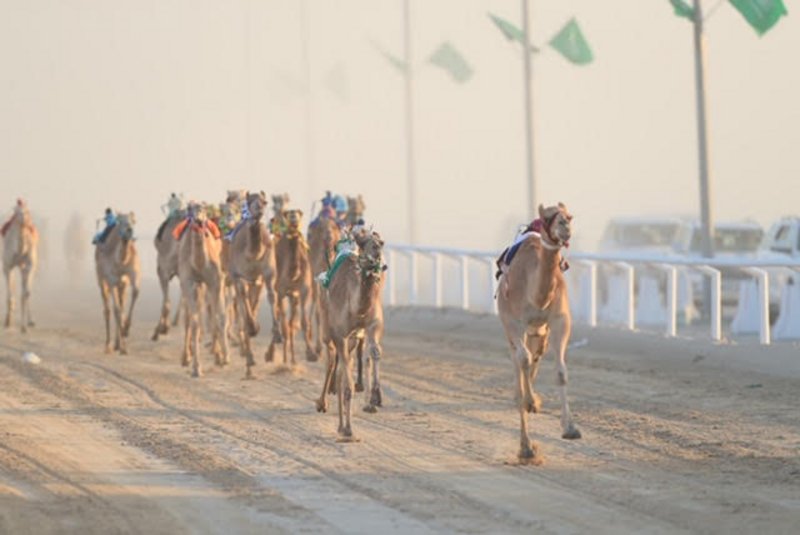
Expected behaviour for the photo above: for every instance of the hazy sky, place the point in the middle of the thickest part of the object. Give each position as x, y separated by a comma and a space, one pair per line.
118, 103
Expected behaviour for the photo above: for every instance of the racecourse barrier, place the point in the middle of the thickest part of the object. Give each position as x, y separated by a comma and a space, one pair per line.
472, 286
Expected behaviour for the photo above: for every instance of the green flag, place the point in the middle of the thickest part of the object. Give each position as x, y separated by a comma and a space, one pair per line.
760, 14
511, 32
451, 60
396, 62
682, 9
572, 45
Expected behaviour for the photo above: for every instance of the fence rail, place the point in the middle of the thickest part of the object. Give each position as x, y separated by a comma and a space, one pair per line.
756, 269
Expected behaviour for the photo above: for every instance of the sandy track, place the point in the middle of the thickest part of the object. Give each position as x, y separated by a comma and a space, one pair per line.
678, 436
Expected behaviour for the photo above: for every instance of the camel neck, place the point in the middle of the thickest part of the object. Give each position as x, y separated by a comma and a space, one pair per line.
545, 278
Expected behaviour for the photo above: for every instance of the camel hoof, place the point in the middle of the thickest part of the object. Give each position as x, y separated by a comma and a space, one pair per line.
347, 436
530, 456
107, 350
248, 375
154, 338
196, 374
322, 405
269, 356
376, 398
123, 351
372, 409
31, 323
359, 386
572, 433
311, 356
24, 330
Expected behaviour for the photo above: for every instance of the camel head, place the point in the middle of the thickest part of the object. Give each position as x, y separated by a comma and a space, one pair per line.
355, 208
196, 212
279, 204
256, 203
557, 224
370, 256
125, 224
235, 196
294, 221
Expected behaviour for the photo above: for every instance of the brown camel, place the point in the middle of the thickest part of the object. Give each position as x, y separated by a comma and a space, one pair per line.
20, 248
293, 284
534, 309
322, 239
117, 264
200, 273
351, 304
252, 267
167, 268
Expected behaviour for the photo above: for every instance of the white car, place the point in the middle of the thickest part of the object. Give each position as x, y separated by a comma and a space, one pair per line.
731, 239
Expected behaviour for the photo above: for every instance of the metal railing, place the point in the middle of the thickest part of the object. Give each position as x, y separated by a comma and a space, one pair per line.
626, 264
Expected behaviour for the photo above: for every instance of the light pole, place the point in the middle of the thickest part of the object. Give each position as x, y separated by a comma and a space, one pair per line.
527, 73
706, 216
409, 108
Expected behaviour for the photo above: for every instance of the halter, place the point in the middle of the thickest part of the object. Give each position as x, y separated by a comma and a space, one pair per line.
550, 243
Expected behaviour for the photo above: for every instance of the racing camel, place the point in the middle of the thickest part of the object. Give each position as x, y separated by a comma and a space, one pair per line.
293, 284
117, 264
20, 242
251, 266
200, 273
353, 303
534, 310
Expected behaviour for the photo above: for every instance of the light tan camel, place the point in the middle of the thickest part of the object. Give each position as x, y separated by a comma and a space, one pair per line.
20, 248
351, 304
200, 273
355, 210
280, 204
167, 267
117, 264
322, 239
534, 309
293, 284
252, 267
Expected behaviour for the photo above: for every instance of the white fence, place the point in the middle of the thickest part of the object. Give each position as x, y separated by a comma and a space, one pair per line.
465, 279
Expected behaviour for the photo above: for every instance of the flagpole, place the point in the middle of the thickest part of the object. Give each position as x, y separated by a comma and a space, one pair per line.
706, 220
309, 119
706, 215
409, 109
526, 54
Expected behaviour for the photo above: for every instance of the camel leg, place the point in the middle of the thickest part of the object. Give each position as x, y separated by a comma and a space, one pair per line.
162, 327
134, 296
194, 309
217, 296
560, 331
360, 363
119, 341
177, 316
316, 321
330, 369
274, 305
293, 304
9, 296
305, 323
345, 391
244, 337
521, 358
374, 392
27, 280
104, 295
187, 329
536, 346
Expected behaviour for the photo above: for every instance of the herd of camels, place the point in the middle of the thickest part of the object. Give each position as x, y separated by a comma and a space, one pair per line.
332, 275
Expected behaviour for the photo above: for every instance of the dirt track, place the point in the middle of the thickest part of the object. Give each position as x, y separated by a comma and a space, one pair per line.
678, 436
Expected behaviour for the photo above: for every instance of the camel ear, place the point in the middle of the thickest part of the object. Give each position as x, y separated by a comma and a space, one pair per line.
541, 211
132, 218
299, 213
